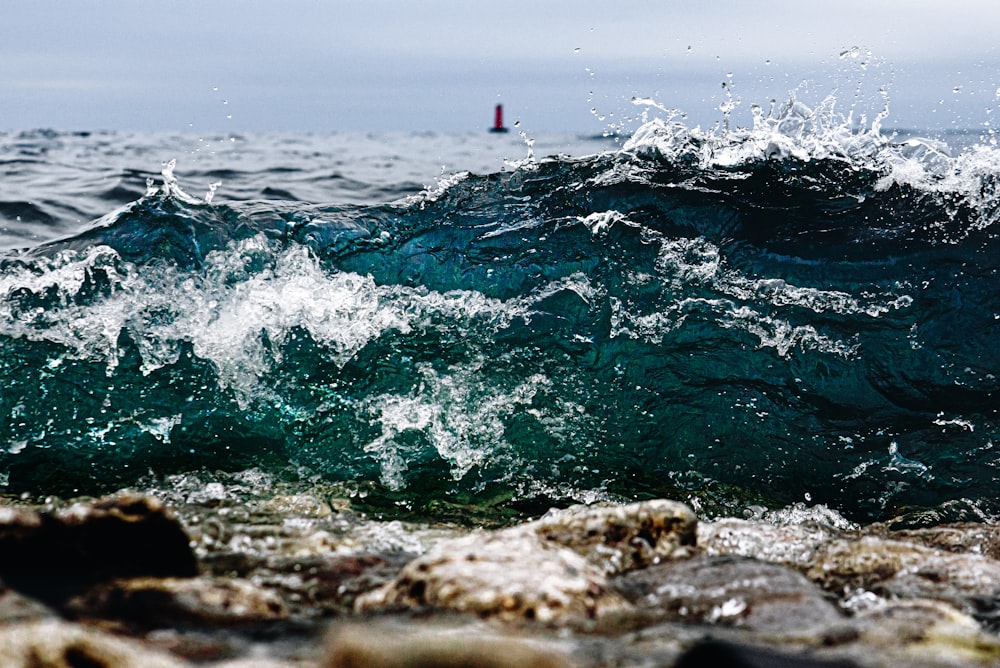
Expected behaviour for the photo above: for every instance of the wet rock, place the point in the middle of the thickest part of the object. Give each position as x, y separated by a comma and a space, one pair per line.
376, 647
972, 538
927, 633
794, 545
622, 538
55, 644
509, 575
330, 584
730, 590
283, 643
897, 569
160, 602
713, 653
15, 607
48, 555
550, 570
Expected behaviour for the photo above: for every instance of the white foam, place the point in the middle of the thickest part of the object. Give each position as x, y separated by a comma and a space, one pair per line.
796, 131
696, 271
460, 411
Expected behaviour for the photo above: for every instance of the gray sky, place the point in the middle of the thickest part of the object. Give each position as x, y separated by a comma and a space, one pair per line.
440, 65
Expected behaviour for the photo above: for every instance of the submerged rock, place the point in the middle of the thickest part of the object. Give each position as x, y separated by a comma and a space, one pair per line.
549, 570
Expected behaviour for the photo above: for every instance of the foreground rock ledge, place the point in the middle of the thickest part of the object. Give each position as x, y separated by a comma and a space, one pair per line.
643, 584
548, 570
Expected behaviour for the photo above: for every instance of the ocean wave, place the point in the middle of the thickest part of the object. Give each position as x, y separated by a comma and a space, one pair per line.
800, 309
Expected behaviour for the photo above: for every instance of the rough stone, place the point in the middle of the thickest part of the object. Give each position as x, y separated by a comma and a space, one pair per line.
928, 632
793, 545
15, 607
56, 644
966, 537
622, 538
730, 590
550, 570
509, 575
373, 647
159, 602
49, 555
897, 569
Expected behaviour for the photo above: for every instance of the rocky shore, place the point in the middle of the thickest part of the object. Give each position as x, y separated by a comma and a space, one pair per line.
208, 578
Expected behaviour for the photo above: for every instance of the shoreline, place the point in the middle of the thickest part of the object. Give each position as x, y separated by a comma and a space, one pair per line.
298, 580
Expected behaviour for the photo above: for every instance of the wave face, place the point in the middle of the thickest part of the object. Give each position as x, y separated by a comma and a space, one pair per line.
795, 311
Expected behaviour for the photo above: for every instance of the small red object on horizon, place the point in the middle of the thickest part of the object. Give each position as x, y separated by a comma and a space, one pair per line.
498, 120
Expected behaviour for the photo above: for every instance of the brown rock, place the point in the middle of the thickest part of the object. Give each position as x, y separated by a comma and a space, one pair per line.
510, 575
973, 538
158, 602
906, 570
15, 607
928, 631
49, 555
552, 570
375, 647
55, 644
622, 538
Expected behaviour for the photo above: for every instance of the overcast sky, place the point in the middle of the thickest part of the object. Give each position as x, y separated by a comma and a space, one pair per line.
441, 65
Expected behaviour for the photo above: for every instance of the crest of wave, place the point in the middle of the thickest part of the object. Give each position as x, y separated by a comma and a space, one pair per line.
793, 130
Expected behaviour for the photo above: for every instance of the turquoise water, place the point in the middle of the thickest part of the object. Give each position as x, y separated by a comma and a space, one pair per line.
799, 311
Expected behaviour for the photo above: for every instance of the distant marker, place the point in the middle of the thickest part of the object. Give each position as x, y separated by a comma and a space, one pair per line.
498, 120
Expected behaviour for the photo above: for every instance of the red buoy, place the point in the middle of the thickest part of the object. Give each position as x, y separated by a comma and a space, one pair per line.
498, 120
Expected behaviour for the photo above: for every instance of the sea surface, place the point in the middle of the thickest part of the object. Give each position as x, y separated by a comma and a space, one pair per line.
804, 311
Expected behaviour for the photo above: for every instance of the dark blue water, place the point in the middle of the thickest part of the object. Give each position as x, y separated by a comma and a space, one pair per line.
802, 311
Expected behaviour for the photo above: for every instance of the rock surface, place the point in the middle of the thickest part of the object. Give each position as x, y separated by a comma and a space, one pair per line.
731, 590
54, 644
375, 646
50, 555
236, 583
158, 602
511, 575
549, 570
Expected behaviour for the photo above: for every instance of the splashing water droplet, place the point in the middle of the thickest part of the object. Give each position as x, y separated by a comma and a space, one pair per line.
212, 187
